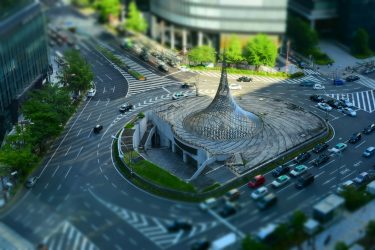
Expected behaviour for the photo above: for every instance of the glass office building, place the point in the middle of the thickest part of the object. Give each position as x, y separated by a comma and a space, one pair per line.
23, 56
187, 23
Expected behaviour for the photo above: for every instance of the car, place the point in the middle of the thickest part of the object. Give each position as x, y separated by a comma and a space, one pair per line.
302, 65
244, 79
339, 147
304, 180
201, 244
370, 151
267, 201
233, 194
180, 224
258, 181
280, 170
318, 86
317, 98
324, 106
183, 68
126, 107
185, 86
91, 92
350, 112
347, 102
369, 129
323, 158
302, 157
362, 178
163, 67
97, 129
179, 95
298, 170
227, 210
338, 82
307, 83
31, 181
235, 86
209, 203
356, 137
334, 103
258, 193
320, 148
280, 181
352, 78
344, 185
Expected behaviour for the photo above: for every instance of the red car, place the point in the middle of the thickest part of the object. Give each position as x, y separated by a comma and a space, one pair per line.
258, 181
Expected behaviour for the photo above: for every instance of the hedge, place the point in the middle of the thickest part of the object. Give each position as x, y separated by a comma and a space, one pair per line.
136, 75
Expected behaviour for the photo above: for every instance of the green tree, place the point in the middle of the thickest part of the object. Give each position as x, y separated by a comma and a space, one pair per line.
202, 54
370, 233
234, 50
135, 21
248, 243
107, 8
304, 39
354, 198
281, 237
340, 245
297, 225
360, 44
261, 50
82, 3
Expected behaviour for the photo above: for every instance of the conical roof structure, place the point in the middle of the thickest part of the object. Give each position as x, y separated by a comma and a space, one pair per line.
223, 119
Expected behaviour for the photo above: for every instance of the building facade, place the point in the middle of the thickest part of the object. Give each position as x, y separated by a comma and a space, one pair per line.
184, 24
23, 57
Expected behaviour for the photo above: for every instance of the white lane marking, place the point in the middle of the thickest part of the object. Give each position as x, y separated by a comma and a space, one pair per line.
79, 152
343, 178
88, 117
55, 170
68, 172
99, 117
79, 131
108, 77
169, 92
359, 144
328, 181
295, 194
99, 78
68, 150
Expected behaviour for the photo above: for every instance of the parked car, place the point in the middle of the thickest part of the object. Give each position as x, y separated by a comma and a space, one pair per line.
369, 129
125, 107
201, 244
227, 210
339, 147
280, 170
258, 193
179, 95
185, 86
307, 83
244, 79
320, 147
180, 224
349, 112
97, 129
304, 180
91, 93
338, 82
31, 181
324, 106
267, 201
280, 181
298, 170
370, 151
318, 86
323, 158
258, 181
209, 203
352, 78
317, 98
233, 194
302, 157
344, 185
356, 137
235, 86
362, 178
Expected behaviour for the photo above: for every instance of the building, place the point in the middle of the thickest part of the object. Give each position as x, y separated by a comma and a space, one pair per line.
23, 56
183, 24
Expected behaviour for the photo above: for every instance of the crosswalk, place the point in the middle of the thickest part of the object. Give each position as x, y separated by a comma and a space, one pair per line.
366, 81
67, 236
364, 100
310, 72
155, 228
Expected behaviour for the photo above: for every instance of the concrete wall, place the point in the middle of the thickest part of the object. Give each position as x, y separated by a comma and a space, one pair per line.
140, 128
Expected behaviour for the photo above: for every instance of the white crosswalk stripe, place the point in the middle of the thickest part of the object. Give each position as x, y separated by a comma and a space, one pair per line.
67, 236
311, 72
364, 100
366, 81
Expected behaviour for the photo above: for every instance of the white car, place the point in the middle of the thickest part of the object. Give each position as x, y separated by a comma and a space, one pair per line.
342, 186
318, 86
178, 95
208, 203
339, 147
298, 170
349, 112
183, 68
235, 86
280, 181
324, 106
259, 193
91, 93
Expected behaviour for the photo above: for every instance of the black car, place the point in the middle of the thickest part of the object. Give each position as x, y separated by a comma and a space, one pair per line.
280, 170
181, 224
302, 157
202, 244
320, 160
97, 129
125, 108
244, 79
163, 67
320, 147
334, 104
317, 98
352, 78
356, 137
185, 86
369, 129
304, 180
227, 210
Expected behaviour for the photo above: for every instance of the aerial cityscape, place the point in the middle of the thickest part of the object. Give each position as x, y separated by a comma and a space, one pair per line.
187, 124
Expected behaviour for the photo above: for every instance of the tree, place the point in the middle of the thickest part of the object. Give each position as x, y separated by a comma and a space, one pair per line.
304, 38
354, 198
248, 243
202, 54
135, 21
107, 8
297, 225
281, 237
234, 51
360, 44
261, 50
370, 233
340, 245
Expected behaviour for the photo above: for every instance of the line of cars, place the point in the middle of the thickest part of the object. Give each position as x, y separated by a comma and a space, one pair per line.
343, 105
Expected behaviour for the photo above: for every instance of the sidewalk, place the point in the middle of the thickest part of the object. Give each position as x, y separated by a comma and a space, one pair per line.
350, 229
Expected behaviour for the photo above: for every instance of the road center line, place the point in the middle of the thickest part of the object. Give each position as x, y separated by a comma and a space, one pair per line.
68, 172
359, 144
68, 150
54, 172
79, 152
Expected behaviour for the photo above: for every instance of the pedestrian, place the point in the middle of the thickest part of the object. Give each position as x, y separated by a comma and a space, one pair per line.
327, 240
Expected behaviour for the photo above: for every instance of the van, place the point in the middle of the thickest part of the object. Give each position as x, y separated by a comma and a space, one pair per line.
267, 201
304, 180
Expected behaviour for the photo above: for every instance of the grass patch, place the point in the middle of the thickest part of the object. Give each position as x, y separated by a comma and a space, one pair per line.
136, 75
243, 71
211, 187
297, 74
112, 57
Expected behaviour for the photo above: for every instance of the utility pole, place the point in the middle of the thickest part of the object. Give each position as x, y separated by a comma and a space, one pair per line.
287, 56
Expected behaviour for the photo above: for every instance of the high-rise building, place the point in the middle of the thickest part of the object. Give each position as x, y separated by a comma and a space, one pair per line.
187, 23
23, 56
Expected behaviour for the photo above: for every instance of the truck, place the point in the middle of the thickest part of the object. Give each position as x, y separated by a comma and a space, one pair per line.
225, 242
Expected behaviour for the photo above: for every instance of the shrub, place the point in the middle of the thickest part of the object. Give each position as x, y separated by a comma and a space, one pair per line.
136, 75
297, 74
141, 115
320, 57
